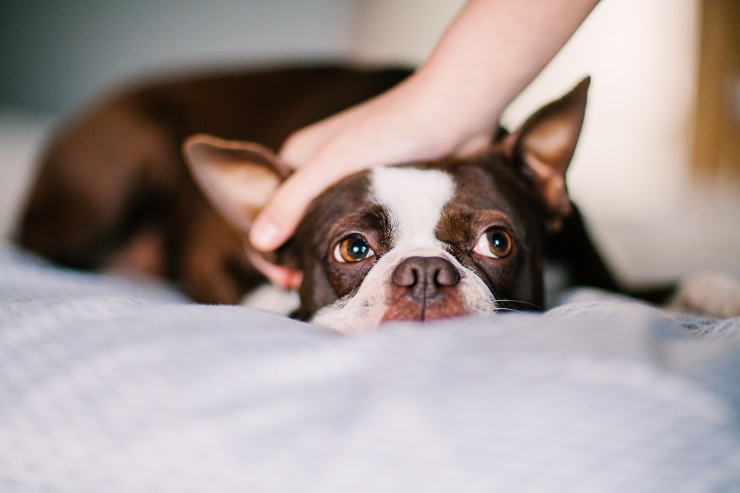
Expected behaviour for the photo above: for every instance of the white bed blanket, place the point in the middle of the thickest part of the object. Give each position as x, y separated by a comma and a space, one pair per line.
109, 385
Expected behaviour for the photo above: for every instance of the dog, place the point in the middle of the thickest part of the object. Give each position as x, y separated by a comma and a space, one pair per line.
430, 240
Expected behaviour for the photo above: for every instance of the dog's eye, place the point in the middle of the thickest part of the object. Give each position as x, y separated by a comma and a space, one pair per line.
494, 243
353, 248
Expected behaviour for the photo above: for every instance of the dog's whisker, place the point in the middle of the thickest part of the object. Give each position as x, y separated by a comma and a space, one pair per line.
508, 310
531, 305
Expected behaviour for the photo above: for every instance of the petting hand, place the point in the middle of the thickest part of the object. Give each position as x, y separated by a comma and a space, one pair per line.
451, 105
400, 125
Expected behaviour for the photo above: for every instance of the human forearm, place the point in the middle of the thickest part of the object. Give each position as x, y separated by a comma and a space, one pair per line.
489, 54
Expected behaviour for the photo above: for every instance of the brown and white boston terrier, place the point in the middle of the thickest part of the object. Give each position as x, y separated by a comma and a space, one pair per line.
414, 241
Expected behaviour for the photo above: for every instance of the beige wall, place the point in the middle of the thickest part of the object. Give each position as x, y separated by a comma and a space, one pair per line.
635, 149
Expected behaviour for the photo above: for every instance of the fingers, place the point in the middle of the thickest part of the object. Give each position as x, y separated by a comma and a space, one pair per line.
280, 217
387, 129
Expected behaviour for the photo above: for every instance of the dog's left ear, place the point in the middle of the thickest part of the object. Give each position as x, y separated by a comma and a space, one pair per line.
239, 178
545, 144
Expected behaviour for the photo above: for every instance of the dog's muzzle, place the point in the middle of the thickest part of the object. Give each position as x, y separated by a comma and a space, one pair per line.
424, 288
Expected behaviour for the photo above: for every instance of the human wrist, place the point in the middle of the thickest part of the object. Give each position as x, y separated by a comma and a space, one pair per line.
461, 111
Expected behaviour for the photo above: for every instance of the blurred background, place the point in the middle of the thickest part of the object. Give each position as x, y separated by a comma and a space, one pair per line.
657, 171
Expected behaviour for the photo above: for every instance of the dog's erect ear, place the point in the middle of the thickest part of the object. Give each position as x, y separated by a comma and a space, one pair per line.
545, 145
239, 178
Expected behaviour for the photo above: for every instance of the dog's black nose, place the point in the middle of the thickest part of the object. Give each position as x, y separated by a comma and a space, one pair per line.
425, 276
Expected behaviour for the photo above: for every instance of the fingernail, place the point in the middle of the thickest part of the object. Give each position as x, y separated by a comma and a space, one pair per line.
265, 234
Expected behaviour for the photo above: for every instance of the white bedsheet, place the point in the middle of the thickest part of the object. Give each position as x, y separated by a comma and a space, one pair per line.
108, 385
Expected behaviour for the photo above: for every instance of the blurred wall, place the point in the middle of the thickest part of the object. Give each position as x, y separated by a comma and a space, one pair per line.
634, 156
54, 54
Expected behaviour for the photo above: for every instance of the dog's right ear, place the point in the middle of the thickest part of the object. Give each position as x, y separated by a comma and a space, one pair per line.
237, 177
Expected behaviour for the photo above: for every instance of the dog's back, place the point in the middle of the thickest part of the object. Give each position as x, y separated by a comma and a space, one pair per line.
112, 190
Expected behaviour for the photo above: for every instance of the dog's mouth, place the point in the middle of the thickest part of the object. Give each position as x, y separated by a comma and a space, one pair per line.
404, 308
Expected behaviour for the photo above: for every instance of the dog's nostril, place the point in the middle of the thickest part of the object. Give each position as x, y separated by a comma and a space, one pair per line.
406, 274
447, 274
428, 273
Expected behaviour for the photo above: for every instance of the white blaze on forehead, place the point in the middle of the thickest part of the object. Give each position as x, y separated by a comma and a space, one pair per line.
414, 198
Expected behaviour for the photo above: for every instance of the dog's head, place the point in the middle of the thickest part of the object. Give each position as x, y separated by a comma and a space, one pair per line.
418, 241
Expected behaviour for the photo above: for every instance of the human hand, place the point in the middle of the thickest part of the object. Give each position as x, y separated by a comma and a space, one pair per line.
451, 105
400, 125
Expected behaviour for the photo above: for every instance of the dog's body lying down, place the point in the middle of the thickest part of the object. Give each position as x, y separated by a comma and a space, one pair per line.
419, 241
112, 186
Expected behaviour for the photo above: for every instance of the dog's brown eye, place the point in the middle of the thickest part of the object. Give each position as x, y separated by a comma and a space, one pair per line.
494, 243
353, 248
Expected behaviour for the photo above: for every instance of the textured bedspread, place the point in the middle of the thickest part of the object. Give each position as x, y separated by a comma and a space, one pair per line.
109, 385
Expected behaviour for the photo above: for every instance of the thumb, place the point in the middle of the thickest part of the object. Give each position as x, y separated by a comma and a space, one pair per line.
279, 218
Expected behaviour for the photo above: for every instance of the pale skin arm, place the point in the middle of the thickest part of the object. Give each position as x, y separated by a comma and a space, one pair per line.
451, 105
